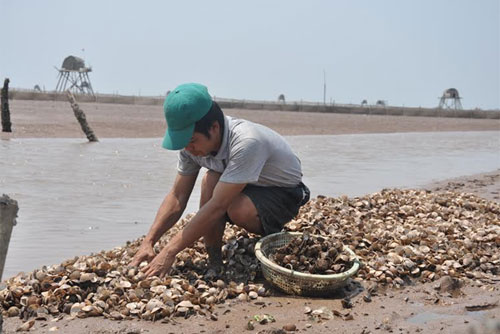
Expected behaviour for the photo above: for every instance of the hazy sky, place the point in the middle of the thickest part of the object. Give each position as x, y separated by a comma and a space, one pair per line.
404, 52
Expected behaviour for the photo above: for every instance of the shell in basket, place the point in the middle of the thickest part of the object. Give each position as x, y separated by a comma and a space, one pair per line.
294, 282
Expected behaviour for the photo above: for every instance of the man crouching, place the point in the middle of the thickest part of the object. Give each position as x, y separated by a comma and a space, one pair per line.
254, 180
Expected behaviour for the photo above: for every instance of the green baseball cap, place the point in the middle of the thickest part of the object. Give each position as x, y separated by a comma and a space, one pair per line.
183, 107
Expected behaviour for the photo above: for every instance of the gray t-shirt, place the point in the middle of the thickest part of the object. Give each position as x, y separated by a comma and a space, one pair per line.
249, 153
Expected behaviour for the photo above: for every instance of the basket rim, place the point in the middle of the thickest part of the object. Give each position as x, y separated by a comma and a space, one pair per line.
331, 277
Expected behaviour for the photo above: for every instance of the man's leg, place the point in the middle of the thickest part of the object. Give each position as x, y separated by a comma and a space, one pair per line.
213, 239
243, 213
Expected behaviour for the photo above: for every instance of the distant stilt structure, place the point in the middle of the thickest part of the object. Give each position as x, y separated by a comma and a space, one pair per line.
74, 76
80, 116
281, 98
324, 87
6, 124
450, 100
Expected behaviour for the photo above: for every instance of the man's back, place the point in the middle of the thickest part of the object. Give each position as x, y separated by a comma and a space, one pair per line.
249, 153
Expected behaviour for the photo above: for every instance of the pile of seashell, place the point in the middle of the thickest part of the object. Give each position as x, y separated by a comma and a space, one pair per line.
399, 235
104, 285
313, 254
406, 235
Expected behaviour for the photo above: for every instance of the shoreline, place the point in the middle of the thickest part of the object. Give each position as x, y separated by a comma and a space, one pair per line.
55, 119
485, 185
305, 106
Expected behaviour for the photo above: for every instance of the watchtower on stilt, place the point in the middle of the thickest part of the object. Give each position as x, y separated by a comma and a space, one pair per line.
74, 76
450, 100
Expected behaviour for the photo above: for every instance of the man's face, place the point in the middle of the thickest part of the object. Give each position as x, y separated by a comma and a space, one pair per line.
201, 146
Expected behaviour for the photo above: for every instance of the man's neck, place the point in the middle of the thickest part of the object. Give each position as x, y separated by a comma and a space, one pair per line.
219, 140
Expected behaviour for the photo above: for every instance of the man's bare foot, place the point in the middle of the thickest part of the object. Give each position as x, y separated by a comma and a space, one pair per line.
214, 272
214, 256
215, 264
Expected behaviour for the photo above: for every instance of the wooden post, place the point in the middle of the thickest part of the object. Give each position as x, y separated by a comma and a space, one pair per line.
6, 124
80, 116
8, 214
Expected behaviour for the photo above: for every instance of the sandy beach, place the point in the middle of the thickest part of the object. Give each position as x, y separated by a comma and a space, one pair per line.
418, 308
54, 119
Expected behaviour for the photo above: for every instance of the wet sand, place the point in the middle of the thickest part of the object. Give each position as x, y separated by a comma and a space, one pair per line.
486, 185
420, 308
53, 119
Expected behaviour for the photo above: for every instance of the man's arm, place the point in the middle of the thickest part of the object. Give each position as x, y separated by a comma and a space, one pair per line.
168, 214
202, 222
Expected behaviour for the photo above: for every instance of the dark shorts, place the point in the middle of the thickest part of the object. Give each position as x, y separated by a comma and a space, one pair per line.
276, 206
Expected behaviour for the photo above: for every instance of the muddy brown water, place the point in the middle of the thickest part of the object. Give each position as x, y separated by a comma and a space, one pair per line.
77, 197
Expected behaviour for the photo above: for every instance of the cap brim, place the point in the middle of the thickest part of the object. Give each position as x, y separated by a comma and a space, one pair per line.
178, 139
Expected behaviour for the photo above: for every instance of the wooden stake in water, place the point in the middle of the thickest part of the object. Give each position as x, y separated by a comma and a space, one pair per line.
6, 124
8, 214
80, 116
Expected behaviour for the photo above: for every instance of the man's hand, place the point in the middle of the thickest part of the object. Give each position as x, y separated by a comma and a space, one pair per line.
145, 253
204, 220
160, 265
168, 214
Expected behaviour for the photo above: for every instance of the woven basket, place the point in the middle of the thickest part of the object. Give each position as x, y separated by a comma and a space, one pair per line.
294, 282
